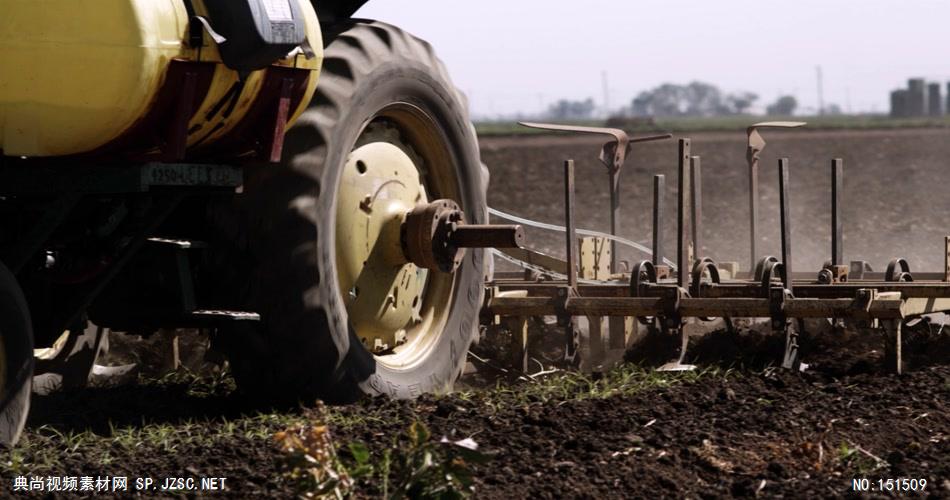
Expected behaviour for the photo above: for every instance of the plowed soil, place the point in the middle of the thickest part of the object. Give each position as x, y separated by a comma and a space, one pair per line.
741, 428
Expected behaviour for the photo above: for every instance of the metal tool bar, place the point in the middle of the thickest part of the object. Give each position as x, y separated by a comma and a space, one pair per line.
884, 308
869, 277
908, 290
659, 185
488, 236
571, 254
576, 306
837, 226
682, 266
917, 306
838, 290
800, 278
550, 288
786, 222
696, 175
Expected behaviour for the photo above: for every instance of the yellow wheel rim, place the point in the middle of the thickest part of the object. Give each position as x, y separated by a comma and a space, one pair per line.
396, 309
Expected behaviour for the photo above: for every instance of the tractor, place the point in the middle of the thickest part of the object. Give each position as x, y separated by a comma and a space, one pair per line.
304, 184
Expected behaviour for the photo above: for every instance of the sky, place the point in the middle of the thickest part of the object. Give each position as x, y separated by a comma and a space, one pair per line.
518, 56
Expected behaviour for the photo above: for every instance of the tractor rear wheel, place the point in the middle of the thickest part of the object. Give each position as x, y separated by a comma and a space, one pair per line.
386, 131
16, 358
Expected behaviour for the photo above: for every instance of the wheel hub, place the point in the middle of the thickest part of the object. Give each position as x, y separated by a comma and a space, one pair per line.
388, 239
427, 236
381, 289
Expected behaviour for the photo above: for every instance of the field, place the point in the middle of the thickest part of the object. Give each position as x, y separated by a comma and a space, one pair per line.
893, 205
736, 427
731, 123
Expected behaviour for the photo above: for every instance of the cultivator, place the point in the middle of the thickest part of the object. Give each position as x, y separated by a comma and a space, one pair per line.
666, 296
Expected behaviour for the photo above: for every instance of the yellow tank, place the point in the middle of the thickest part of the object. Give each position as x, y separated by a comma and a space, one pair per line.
120, 78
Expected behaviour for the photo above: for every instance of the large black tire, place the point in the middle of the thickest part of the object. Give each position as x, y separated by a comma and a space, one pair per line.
305, 347
16, 333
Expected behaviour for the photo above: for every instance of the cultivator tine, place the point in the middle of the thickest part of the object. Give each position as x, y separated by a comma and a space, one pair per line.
659, 184
566, 320
614, 178
696, 184
790, 360
786, 223
682, 266
518, 325
837, 226
946, 258
756, 143
673, 323
893, 355
571, 247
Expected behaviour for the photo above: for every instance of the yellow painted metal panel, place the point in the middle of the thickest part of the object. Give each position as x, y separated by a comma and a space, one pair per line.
76, 74
225, 78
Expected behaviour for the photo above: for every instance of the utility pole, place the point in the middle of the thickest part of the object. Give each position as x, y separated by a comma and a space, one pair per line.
821, 98
603, 79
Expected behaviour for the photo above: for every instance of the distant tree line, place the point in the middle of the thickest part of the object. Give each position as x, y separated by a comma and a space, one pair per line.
696, 99
783, 106
565, 109
693, 99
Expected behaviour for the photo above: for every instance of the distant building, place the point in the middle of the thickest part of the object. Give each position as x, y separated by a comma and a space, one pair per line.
899, 103
934, 100
916, 97
919, 99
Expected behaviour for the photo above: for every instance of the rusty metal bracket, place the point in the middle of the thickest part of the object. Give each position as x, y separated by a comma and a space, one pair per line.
833, 274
